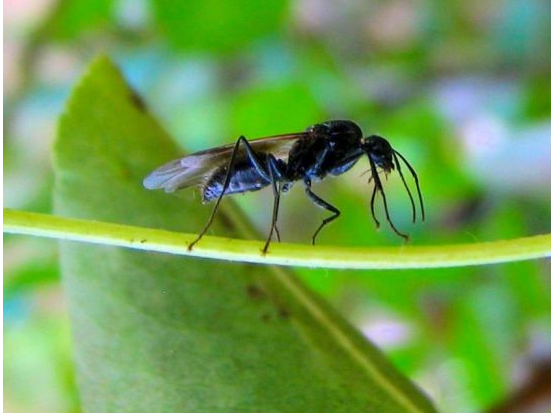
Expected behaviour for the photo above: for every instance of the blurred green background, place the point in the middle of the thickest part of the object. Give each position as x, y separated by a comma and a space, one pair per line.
461, 88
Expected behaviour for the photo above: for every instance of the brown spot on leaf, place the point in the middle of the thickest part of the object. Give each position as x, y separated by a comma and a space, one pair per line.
254, 291
283, 312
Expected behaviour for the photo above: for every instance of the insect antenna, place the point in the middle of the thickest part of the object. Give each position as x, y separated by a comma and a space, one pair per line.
399, 168
416, 183
379, 186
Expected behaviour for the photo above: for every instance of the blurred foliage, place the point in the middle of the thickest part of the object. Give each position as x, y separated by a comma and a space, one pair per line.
69, 18
462, 89
220, 26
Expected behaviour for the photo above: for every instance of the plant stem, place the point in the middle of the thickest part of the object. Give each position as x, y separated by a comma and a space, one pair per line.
43, 225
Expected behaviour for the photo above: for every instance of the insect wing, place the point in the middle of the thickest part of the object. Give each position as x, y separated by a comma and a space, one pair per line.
194, 169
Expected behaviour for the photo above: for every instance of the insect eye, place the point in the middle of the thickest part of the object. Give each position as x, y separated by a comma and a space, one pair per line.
378, 146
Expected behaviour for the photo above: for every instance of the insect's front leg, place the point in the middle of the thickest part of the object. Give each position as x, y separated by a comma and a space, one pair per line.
379, 187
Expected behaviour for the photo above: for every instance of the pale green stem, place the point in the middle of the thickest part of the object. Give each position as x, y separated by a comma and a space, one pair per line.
43, 225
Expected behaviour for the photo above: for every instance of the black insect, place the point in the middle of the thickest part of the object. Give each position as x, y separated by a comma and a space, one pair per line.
331, 147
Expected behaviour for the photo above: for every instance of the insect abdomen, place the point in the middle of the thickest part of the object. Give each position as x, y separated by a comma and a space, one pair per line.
244, 178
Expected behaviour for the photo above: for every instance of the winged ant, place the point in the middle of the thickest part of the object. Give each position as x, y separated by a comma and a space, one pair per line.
328, 148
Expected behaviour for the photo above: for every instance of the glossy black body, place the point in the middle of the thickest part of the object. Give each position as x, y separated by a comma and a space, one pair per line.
331, 147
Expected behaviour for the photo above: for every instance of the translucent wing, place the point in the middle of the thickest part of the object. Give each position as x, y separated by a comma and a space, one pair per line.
194, 169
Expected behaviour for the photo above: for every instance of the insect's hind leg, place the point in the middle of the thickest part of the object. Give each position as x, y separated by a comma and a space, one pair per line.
324, 204
275, 174
256, 163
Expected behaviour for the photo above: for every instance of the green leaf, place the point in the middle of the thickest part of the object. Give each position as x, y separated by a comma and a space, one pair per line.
155, 332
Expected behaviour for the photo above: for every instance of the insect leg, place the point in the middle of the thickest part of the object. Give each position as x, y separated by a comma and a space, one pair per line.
273, 171
324, 204
398, 167
379, 186
254, 161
